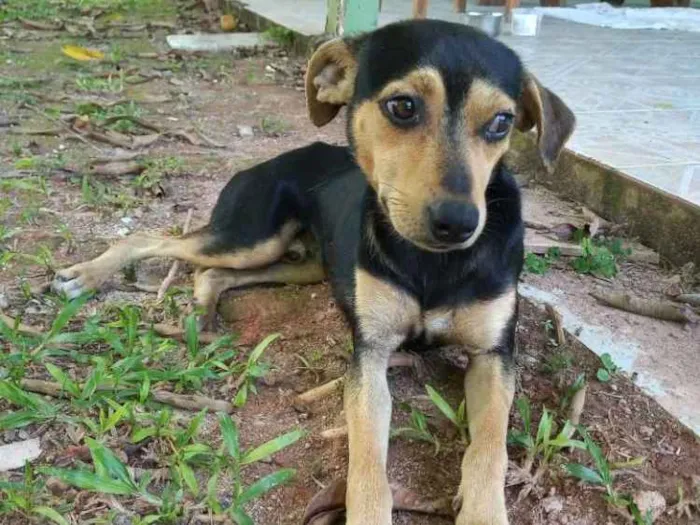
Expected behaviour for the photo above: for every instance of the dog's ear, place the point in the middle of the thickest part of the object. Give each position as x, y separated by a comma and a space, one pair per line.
553, 119
330, 80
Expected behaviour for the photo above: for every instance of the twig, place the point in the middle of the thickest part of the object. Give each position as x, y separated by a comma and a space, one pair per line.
176, 263
692, 299
334, 433
175, 332
577, 402
557, 322
645, 307
184, 401
135, 120
64, 126
142, 287
117, 168
398, 359
319, 392
23, 329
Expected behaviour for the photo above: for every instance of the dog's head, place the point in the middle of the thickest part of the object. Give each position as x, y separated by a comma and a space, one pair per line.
431, 106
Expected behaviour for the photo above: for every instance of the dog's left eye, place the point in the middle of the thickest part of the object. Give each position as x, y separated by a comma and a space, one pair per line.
402, 110
499, 127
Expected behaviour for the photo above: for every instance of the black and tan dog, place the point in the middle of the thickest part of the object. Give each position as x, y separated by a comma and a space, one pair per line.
419, 227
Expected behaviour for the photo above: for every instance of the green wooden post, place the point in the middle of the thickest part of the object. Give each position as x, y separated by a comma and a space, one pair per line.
344, 17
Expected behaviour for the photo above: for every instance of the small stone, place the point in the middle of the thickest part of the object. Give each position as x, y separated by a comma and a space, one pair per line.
127, 220
650, 500
245, 131
3, 301
552, 505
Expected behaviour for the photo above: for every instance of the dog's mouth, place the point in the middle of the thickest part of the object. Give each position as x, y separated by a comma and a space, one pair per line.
425, 241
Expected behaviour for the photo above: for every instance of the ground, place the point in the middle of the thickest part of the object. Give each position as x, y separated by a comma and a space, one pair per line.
60, 207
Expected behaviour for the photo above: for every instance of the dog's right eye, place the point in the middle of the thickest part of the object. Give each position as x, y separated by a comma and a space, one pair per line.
402, 110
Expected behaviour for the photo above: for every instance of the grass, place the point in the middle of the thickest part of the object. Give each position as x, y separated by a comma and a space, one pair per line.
539, 264
542, 444
457, 417
600, 257
52, 9
602, 475
417, 429
107, 366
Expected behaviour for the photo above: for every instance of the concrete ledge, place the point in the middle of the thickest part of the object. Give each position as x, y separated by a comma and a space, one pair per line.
299, 43
668, 224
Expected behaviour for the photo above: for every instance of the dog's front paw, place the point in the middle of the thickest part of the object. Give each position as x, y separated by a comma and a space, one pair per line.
76, 281
478, 507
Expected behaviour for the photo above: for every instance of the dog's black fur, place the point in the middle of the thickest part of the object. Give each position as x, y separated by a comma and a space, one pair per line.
322, 187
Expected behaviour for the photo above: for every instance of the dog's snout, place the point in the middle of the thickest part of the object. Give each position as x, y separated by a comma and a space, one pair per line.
453, 221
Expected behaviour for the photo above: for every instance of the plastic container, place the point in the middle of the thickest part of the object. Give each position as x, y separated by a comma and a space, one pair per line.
525, 24
489, 23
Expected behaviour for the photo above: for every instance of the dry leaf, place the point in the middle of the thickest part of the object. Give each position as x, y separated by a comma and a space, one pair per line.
82, 54
228, 22
563, 231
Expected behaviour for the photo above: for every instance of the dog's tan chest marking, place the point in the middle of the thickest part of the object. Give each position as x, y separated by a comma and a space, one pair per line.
478, 326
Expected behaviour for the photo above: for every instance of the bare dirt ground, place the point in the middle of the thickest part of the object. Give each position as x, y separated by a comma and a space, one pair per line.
57, 209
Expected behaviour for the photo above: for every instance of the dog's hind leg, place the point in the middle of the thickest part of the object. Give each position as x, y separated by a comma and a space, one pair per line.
203, 247
212, 282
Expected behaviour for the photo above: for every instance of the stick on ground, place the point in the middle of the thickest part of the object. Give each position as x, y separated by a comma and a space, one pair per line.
176, 264
175, 332
557, 322
646, 307
23, 329
183, 401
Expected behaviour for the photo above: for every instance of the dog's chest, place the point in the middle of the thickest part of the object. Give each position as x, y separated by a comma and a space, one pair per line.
478, 325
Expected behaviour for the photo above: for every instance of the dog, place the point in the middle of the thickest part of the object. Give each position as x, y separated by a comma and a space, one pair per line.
418, 226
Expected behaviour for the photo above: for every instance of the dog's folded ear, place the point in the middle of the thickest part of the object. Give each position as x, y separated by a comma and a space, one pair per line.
330, 80
555, 122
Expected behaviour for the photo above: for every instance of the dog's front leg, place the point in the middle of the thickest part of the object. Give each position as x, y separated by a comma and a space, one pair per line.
368, 413
489, 388
385, 315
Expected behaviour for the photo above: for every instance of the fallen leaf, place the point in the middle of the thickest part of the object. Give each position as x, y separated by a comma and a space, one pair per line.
228, 22
563, 231
43, 26
15, 455
82, 54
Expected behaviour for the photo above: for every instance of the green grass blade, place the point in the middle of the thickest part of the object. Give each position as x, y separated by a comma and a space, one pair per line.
544, 430
19, 419
17, 396
191, 335
62, 379
65, 315
229, 433
48, 512
523, 405
189, 478
271, 447
584, 473
442, 405
86, 480
266, 484
241, 518
262, 346
107, 464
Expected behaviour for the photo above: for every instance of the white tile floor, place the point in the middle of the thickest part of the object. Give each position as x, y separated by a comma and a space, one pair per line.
636, 93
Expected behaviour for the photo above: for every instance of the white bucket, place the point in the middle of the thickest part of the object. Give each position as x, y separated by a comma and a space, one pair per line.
525, 24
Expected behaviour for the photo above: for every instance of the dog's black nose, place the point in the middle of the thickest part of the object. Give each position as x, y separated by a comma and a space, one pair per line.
453, 221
